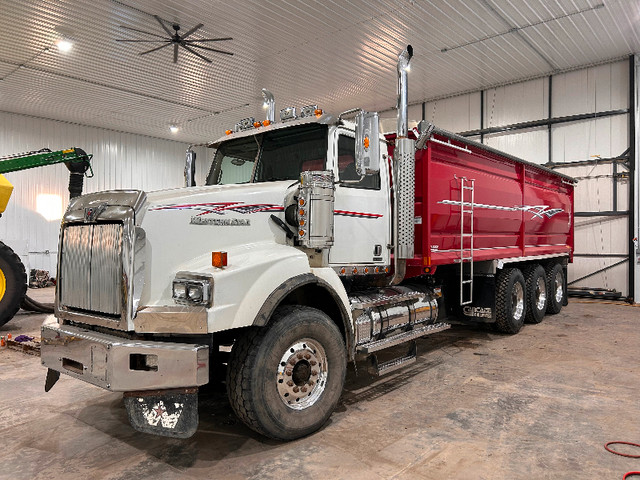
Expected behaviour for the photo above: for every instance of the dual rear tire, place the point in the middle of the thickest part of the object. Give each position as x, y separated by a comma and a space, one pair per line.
526, 296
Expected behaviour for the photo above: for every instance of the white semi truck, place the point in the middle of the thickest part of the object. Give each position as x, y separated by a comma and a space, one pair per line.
298, 255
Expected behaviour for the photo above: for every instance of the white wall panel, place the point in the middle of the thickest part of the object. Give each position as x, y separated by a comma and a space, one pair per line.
606, 137
595, 89
516, 103
120, 161
530, 145
456, 114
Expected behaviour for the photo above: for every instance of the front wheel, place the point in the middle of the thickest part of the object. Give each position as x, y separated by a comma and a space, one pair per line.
284, 380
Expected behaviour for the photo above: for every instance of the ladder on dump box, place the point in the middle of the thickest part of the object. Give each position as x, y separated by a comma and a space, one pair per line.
466, 239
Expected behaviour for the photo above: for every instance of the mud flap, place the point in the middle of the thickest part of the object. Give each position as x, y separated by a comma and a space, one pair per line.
169, 413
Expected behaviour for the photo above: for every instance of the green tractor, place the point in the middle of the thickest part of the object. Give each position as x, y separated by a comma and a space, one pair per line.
13, 277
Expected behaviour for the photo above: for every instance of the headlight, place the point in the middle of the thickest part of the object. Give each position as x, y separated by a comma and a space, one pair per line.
192, 289
195, 293
179, 290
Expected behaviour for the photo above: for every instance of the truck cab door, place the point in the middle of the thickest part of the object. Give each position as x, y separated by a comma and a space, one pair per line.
362, 211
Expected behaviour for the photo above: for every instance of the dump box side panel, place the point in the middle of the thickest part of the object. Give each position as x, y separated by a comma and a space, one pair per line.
519, 209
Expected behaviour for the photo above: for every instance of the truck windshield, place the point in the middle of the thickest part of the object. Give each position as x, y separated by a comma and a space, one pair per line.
266, 157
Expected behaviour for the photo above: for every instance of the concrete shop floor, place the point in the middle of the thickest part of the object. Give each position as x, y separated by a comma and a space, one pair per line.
476, 404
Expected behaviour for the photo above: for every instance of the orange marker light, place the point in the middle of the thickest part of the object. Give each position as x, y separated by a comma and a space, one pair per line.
301, 233
301, 222
343, 271
317, 112
228, 132
266, 123
366, 142
355, 270
366, 269
257, 124
301, 202
219, 259
301, 212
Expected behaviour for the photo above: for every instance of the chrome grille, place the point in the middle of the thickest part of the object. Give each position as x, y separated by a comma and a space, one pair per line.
91, 268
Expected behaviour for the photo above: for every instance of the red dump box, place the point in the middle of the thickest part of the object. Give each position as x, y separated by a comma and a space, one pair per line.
469, 196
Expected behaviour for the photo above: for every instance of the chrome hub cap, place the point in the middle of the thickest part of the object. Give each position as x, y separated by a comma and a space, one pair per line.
302, 374
559, 287
517, 301
541, 293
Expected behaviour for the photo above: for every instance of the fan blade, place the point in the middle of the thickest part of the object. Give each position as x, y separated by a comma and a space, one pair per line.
197, 27
154, 49
175, 53
164, 27
195, 53
210, 39
210, 49
140, 41
141, 31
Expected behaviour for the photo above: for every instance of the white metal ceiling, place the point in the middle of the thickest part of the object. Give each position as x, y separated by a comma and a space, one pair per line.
336, 53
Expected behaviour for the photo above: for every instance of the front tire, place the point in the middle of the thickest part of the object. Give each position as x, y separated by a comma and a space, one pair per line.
536, 282
284, 380
510, 300
13, 283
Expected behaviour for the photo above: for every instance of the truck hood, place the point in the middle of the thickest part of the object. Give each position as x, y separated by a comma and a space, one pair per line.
219, 216
184, 226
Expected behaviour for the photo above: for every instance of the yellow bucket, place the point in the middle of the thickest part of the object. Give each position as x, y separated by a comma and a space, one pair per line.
5, 193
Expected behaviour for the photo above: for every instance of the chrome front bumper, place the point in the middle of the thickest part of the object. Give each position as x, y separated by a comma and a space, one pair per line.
119, 364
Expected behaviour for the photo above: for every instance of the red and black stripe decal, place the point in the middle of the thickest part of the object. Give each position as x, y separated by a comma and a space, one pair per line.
346, 213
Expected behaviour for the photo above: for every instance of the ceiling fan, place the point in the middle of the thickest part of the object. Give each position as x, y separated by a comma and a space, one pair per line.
177, 40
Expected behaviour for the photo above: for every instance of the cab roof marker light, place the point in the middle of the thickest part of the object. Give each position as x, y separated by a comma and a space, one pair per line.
288, 113
308, 111
245, 124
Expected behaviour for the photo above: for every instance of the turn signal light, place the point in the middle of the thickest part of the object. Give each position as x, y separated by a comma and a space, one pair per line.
228, 132
366, 142
266, 123
317, 112
219, 259
257, 124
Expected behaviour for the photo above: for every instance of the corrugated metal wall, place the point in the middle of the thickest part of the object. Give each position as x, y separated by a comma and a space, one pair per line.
602, 240
120, 161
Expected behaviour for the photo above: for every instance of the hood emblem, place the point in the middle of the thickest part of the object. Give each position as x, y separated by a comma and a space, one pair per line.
91, 214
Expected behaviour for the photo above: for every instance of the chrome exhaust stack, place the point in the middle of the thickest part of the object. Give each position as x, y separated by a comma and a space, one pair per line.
404, 169
269, 104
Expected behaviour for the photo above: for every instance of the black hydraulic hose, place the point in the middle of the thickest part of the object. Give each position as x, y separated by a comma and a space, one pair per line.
32, 305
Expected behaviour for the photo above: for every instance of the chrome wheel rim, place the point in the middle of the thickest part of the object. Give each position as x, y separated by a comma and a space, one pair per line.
541, 294
302, 374
517, 301
559, 287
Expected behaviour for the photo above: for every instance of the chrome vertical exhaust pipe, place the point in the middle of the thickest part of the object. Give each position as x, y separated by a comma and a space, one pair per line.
404, 60
404, 181
269, 104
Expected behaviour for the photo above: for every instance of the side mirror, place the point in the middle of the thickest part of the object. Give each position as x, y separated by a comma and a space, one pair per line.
367, 143
190, 169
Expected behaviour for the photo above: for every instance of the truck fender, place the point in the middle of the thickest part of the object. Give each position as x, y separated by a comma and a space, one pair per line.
294, 283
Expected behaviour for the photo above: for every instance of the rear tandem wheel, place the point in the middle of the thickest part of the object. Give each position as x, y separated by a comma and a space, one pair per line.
510, 300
